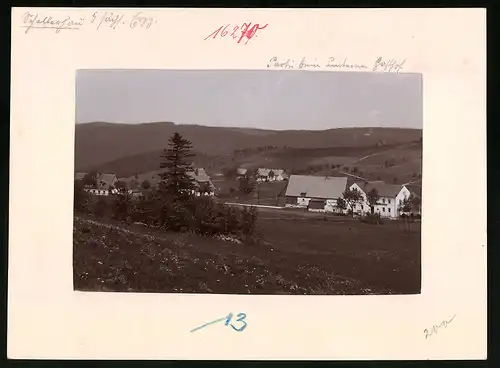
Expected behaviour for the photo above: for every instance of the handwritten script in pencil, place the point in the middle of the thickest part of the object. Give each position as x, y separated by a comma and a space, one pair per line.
97, 20
378, 65
435, 328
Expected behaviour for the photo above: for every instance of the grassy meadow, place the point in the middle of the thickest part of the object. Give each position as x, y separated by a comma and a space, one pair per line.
297, 253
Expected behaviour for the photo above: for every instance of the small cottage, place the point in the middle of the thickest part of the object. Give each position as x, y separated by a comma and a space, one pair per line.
104, 183
270, 175
204, 185
240, 172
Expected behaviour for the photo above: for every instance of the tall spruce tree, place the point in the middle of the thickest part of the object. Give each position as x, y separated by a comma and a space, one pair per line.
176, 160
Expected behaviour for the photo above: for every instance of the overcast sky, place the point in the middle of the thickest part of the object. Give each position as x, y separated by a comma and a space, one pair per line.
251, 98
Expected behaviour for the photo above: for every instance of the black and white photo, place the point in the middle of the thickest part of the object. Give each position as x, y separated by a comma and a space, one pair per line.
248, 182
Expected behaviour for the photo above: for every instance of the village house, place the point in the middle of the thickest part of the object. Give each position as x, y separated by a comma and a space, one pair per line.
241, 171
416, 191
262, 175
204, 185
270, 175
104, 185
316, 193
391, 196
279, 174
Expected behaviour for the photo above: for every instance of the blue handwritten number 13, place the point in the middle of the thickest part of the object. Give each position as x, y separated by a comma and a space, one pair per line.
241, 318
228, 318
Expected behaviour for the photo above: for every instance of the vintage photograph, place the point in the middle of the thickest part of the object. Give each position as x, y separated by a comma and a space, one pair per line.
248, 182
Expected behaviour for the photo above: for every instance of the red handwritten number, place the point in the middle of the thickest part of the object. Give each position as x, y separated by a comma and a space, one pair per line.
233, 35
247, 31
215, 33
244, 29
224, 32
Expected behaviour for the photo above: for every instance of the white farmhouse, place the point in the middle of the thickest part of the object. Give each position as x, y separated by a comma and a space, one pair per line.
316, 193
270, 174
104, 184
204, 186
279, 174
241, 171
391, 196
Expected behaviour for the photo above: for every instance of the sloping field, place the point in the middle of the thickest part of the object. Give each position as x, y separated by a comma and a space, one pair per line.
298, 254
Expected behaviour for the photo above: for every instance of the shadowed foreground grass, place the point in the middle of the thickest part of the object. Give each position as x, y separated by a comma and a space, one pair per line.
298, 255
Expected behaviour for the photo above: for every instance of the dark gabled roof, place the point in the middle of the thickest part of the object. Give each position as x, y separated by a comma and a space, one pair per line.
107, 179
383, 189
263, 172
199, 175
415, 189
326, 187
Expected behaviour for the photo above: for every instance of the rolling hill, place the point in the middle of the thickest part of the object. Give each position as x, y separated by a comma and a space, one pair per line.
108, 146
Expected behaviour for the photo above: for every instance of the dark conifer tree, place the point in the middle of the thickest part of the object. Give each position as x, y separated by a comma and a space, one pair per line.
177, 179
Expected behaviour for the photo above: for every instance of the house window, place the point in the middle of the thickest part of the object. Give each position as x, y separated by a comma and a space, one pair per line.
383, 200
389, 201
383, 209
389, 209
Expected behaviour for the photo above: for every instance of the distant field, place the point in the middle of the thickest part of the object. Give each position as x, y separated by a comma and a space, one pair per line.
271, 193
300, 253
136, 147
389, 154
393, 164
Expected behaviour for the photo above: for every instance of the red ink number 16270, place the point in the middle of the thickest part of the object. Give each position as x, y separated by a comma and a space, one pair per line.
245, 31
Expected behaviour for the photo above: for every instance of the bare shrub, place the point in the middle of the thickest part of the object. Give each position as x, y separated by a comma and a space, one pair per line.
100, 207
249, 217
122, 206
372, 218
80, 197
